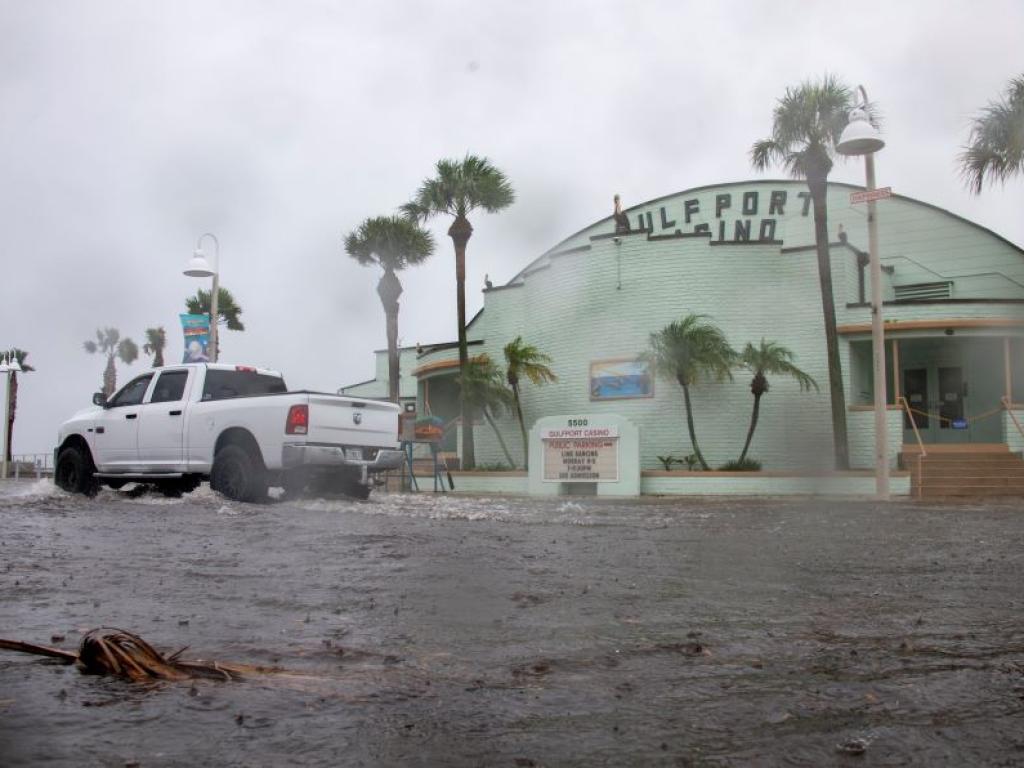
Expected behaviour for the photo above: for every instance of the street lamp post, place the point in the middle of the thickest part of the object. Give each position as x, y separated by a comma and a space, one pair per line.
860, 137
199, 267
8, 366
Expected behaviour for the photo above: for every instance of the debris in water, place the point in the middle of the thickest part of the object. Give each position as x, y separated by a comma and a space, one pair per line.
110, 651
853, 747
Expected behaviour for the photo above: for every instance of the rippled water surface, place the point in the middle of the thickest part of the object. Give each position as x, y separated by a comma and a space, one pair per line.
441, 630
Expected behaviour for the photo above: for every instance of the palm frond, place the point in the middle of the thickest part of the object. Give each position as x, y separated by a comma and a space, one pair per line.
995, 148
483, 385
460, 187
772, 358
807, 123
524, 359
127, 351
690, 349
393, 242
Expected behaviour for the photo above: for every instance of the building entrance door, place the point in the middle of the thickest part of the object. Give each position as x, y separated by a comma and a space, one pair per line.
936, 395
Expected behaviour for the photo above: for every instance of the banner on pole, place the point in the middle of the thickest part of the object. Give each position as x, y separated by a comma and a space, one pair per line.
196, 329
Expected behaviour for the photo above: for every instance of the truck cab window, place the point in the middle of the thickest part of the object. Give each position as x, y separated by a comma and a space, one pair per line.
132, 392
224, 385
169, 387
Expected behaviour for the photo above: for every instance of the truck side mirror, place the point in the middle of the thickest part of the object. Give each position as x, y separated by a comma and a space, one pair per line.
99, 399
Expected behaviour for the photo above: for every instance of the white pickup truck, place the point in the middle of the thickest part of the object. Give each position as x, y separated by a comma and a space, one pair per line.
237, 426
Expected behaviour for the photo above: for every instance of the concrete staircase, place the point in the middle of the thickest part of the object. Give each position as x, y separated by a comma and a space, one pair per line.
978, 470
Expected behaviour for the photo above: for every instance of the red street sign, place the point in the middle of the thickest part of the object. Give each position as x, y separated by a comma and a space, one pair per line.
870, 194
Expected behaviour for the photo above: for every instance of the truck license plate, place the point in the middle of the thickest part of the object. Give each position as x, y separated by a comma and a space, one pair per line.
354, 454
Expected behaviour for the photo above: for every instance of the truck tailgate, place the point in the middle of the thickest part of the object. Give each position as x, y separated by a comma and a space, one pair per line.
339, 420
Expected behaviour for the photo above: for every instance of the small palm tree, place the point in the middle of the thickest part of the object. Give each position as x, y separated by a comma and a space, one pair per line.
996, 148
525, 360
766, 358
483, 388
109, 342
229, 312
806, 126
393, 243
687, 351
156, 342
12, 394
459, 188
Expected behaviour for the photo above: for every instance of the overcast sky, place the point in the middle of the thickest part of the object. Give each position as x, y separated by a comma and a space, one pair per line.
127, 129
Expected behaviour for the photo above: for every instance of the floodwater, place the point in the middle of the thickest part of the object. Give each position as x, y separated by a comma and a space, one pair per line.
440, 630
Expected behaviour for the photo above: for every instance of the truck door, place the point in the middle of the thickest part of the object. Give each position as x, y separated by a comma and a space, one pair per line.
115, 434
162, 422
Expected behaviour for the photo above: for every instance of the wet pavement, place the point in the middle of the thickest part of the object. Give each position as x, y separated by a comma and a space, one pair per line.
440, 630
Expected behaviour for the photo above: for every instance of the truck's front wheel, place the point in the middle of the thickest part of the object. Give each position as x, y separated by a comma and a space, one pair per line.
238, 475
75, 472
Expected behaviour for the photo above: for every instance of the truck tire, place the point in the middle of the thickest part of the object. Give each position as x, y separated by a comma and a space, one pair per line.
75, 472
238, 474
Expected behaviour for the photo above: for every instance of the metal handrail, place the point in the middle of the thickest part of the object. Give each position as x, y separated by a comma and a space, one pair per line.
1009, 409
920, 445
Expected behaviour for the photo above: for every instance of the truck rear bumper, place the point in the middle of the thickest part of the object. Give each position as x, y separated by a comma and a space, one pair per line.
304, 455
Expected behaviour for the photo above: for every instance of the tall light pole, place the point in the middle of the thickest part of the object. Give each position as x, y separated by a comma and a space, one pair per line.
8, 366
860, 137
199, 267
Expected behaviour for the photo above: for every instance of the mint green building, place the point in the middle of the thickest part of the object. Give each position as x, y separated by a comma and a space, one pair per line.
743, 254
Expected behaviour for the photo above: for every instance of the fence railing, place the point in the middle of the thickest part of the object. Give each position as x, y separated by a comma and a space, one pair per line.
30, 465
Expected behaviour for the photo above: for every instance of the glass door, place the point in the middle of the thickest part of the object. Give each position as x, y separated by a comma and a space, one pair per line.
952, 428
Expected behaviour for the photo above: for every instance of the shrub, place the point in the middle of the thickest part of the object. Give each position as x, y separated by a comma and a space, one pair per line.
668, 461
747, 465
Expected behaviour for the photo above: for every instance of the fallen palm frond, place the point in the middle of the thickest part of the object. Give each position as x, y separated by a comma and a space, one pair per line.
110, 651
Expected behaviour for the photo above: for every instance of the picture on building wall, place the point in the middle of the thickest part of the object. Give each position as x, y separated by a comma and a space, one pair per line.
621, 378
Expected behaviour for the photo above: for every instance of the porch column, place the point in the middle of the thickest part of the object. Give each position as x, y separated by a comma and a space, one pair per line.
896, 370
1007, 369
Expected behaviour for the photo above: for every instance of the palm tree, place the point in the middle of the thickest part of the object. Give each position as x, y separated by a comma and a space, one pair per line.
686, 351
483, 387
12, 395
996, 149
228, 311
156, 342
459, 188
524, 359
771, 358
109, 342
806, 126
393, 243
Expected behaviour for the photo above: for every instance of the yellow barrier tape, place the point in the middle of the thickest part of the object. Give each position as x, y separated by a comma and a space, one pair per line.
968, 419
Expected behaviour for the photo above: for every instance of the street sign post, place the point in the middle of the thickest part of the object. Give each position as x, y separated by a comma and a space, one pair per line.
867, 195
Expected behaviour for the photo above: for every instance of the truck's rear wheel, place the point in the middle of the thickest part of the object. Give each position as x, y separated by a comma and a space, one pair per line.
75, 472
238, 474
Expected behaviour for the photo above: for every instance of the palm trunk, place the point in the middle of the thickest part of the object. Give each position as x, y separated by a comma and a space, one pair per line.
522, 426
392, 323
389, 289
12, 404
158, 358
501, 440
753, 425
460, 231
689, 425
109, 377
817, 185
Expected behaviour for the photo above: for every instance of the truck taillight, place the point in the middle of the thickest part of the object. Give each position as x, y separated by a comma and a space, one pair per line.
298, 420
